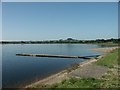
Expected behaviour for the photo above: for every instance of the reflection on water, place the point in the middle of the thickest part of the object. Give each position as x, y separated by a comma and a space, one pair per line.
18, 70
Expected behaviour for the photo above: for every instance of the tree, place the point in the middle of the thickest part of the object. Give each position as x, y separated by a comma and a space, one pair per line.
70, 39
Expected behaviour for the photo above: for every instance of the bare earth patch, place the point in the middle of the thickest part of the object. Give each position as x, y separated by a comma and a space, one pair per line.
90, 70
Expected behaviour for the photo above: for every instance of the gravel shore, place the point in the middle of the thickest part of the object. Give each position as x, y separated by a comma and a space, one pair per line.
85, 69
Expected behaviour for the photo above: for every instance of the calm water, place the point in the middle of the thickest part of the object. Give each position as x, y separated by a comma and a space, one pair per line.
18, 70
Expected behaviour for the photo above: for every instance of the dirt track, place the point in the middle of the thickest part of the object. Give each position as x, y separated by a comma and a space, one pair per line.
90, 70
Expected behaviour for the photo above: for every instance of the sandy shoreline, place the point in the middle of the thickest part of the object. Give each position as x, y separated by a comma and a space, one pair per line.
56, 78
106, 50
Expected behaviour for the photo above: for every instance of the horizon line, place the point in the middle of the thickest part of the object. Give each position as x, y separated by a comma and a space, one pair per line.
59, 39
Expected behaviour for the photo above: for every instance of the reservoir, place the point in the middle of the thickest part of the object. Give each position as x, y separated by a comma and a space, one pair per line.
18, 71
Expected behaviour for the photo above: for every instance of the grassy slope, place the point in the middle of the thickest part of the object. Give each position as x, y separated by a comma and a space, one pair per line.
110, 60
109, 80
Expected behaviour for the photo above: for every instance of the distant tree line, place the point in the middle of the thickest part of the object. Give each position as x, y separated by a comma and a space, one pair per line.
68, 40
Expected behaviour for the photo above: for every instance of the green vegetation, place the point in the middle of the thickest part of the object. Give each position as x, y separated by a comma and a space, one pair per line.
72, 67
73, 83
78, 83
68, 40
110, 60
108, 80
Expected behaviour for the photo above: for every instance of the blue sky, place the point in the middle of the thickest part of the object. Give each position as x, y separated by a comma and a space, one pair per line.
59, 0
50, 21
0, 21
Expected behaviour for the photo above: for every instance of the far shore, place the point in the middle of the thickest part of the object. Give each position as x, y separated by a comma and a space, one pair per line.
56, 78
105, 50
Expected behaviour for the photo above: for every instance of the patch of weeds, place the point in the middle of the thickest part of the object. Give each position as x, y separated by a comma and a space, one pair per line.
73, 80
72, 67
63, 81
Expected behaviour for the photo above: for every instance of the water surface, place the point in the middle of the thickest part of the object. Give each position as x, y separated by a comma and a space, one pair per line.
18, 70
